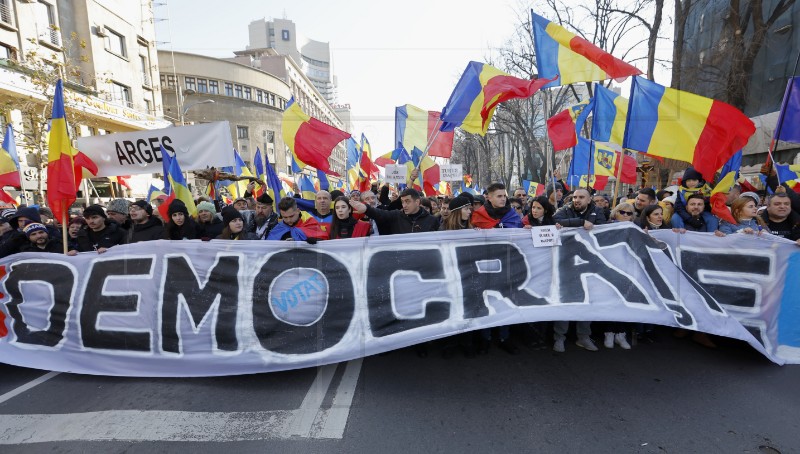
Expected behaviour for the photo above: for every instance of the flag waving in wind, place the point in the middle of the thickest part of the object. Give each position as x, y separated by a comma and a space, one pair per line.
179, 190
9, 166
569, 58
477, 94
64, 163
309, 139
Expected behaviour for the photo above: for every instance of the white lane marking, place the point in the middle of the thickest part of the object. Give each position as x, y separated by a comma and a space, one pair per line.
137, 425
336, 419
21, 389
304, 418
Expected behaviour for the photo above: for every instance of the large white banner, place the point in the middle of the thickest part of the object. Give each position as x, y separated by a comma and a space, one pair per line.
235, 307
129, 153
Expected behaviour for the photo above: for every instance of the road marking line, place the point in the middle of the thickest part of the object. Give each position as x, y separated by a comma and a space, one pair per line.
336, 418
138, 425
307, 413
21, 389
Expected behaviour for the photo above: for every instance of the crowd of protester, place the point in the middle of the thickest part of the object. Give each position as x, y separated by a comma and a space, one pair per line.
336, 215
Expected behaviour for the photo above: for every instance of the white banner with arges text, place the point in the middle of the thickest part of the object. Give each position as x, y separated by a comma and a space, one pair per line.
236, 307
130, 153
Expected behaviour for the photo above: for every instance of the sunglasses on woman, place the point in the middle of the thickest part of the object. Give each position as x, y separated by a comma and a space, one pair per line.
626, 213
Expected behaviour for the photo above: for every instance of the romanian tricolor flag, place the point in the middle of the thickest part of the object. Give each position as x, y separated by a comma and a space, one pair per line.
609, 115
9, 166
154, 193
532, 188
324, 184
64, 163
429, 175
720, 194
238, 188
680, 125
274, 185
179, 190
563, 127
306, 187
415, 128
166, 160
478, 92
569, 58
309, 139
121, 180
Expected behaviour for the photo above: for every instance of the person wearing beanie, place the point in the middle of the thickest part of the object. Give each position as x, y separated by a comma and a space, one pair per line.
210, 224
265, 218
144, 226
39, 240
99, 235
180, 226
117, 211
75, 226
233, 226
344, 225
459, 214
240, 204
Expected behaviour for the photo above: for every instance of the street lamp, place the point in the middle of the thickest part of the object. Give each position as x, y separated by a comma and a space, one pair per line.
186, 109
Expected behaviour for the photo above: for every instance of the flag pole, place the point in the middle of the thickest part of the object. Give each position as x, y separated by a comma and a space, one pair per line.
779, 127
64, 228
620, 164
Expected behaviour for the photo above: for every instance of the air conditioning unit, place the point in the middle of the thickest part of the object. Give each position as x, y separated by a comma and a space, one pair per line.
100, 31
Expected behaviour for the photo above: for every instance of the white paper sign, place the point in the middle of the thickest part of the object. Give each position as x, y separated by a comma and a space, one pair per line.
396, 174
545, 236
130, 153
450, 172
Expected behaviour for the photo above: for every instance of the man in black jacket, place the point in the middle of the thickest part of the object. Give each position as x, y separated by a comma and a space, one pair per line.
100, 234
581, 212
411, 219
39, 240
145, 226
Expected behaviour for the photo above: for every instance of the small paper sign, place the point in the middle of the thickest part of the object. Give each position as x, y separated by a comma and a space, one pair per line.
450, 172
545, 236
396, 174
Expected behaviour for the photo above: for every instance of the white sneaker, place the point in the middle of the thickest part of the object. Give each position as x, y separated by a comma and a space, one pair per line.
585, 342
619, 338
608, 342
558, 346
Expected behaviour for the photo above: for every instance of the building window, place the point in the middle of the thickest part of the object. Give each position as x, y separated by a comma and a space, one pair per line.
115, 43
145, 71
248, 93
259, 96
228, 89
121, 94
202, 86
271, 99
285, 35
5, 11
149, 106
242, 132
270, 136
245, 153
189, 83
50, 34
7, 52
238, 91
213, 87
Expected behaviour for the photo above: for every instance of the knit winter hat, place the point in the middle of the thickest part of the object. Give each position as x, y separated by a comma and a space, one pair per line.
230, 213
458, 203
143, 205
34, 227
753, 196
118, 206
206, 206
177, 206
94, 210
8, 213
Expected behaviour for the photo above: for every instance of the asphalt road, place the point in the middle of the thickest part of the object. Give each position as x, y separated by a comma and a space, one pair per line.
671, 396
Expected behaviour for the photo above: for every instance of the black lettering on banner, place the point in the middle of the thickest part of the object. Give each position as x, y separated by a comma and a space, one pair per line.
641, 244
142, 152
221, 289
382, 266
152, 153
166, 141
121, 154
575, 260
130, 149
720, 273
95, 302
61, 280
281, 337
508, 278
